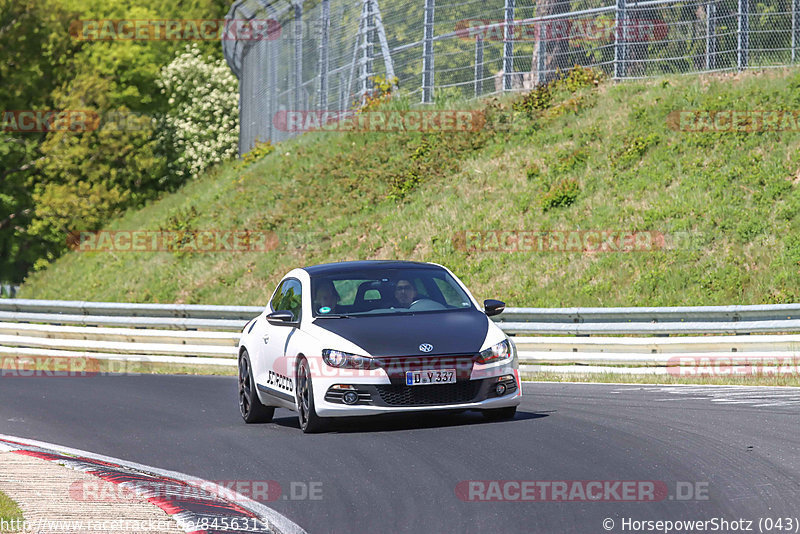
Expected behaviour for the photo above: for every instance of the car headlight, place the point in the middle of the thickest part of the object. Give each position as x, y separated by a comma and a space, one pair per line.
496, 353
341, 359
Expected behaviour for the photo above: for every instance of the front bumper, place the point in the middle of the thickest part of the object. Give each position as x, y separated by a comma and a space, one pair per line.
379, 398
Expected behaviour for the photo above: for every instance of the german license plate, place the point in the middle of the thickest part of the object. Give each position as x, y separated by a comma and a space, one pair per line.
427, 377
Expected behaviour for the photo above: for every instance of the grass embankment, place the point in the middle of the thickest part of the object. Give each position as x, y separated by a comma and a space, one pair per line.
588, 158
10, 514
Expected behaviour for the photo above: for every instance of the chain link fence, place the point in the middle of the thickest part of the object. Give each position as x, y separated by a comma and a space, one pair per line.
323, 55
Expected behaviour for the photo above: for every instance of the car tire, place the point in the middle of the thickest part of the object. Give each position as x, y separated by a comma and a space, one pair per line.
250, 407
310, 422
500, 414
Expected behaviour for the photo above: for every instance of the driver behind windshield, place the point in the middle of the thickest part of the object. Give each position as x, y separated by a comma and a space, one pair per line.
405, 293
326, 297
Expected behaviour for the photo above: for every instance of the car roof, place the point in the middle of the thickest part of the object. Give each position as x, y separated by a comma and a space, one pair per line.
345, 266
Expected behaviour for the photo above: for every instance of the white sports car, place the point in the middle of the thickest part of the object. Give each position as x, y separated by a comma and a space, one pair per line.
374, 337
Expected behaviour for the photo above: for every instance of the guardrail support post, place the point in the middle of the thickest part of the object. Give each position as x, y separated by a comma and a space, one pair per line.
427, 53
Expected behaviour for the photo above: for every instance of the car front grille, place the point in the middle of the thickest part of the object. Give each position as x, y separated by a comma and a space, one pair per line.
401, 395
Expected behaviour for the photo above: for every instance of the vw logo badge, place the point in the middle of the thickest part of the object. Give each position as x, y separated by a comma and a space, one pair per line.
426, 347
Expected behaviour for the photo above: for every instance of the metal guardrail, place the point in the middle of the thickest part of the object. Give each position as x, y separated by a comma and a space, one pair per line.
80, 307
681, 314
644, 328
683, 320
658, 350
176, 333
177, 323
87, 313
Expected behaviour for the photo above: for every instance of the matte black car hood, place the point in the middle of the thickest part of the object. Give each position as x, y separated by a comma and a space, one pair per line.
450, 332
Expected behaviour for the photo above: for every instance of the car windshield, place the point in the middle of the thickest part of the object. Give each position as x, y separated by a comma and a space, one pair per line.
385, 291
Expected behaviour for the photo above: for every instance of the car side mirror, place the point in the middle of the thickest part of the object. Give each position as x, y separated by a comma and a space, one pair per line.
281, 318
493, 307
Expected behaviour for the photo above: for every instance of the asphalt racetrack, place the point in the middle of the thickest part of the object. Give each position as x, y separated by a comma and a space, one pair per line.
724, 454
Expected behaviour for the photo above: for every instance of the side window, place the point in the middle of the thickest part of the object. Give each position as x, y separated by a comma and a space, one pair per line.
451, 296
291, 297
276, 299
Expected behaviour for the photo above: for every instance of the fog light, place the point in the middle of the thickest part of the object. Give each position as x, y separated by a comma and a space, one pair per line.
351, 397
500, 389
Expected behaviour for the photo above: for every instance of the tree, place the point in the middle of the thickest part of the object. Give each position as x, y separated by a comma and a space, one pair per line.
90, 176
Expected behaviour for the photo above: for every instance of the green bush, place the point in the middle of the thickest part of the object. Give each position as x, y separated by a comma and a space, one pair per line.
560, 195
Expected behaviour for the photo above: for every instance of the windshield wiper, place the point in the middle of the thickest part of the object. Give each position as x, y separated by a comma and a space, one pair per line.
334, 316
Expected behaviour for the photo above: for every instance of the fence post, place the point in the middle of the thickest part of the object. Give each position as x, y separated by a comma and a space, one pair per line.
508, 45
711, 35
364, 68
273, 53
244, 112
478, 65
325, 24
354, 63
540, 48
427, 53
795, 29
298, 55
366, 48
743, 34
388, 63
370, 39
620, 45
260, 128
